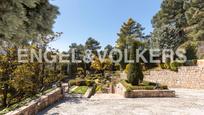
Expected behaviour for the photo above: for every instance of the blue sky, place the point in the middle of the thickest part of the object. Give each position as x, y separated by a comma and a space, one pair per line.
100, 19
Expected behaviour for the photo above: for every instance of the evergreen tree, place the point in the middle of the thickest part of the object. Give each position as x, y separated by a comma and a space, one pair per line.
23, 20
108, 48
129, 30
135, 74
178, 22
92, 44
195, 19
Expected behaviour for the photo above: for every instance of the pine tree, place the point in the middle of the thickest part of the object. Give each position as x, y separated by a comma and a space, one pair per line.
168, 25
178, 22
23, 20
129, 30
93, 45
195, 19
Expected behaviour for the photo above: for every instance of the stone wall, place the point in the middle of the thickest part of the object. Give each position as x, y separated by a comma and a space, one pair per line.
186, 77
36, 105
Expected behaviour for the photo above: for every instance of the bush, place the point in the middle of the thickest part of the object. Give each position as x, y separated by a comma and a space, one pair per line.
174, 66
165, 65
80, 82
191, 63
80, 70
143, 86
25, 79
89, 83
135, 74
72, 82
127, 68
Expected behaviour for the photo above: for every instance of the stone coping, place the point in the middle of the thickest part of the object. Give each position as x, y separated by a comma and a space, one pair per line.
149, 93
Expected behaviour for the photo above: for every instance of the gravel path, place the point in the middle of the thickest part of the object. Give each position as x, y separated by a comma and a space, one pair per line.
187, 102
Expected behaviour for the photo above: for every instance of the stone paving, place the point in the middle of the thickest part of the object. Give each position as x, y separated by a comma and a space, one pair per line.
187, 102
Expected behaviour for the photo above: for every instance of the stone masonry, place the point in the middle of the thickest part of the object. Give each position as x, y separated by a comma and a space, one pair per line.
186, 77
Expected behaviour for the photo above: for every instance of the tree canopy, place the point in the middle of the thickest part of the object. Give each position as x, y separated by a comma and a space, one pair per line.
26, 19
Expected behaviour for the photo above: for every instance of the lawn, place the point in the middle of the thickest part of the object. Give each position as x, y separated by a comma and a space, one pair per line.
80, 90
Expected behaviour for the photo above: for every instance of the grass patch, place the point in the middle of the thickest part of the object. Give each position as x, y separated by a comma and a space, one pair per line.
80, 90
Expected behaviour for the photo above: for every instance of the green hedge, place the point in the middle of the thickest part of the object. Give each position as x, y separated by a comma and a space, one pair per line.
143, 86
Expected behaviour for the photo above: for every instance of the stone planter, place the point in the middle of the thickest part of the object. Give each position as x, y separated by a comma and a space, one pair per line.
120, 89
149, 93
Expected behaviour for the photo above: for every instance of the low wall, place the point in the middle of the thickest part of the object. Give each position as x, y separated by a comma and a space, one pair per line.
120, 89
186, 77
149, 93
36, 105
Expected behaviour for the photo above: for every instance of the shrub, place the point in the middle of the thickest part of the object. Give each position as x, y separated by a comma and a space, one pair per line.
80, 70
72, 82
165, 65
191, 62
127, 68
25, 79
89, 83
135, 75
174, 66
80, 82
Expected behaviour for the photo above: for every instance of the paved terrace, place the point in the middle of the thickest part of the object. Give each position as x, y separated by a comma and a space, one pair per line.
187, 102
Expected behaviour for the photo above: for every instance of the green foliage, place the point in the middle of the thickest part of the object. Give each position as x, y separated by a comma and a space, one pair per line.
25, 19
174, 66
128, 32
191, 51
92, 44
90, 82
177, 22
145, 85
135, 74
80, 82
72, 82
80, 90
25, 79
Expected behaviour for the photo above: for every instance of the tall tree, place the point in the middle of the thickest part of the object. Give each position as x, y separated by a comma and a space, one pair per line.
169, 23
195, 19
92, 44
129, 31
179, 22
23, 20
108, 48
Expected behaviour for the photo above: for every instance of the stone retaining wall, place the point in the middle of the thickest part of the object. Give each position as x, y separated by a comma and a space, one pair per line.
186, 77
36, 105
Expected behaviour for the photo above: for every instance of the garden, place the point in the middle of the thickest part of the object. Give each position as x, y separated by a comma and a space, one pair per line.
28, 24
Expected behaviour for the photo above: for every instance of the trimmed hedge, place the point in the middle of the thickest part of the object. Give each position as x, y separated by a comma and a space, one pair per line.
81, 82
143, 86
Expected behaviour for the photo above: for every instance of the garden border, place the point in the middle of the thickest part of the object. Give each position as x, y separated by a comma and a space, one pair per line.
120, 89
